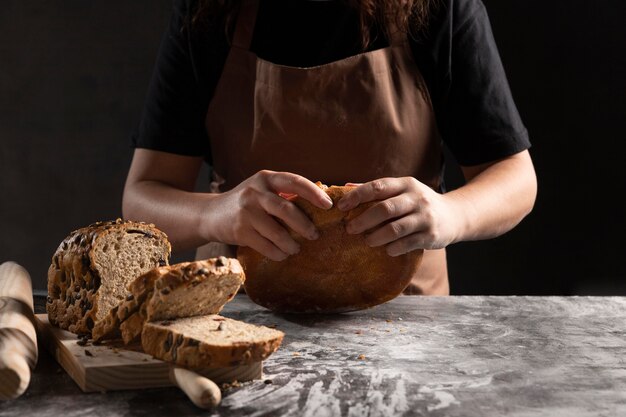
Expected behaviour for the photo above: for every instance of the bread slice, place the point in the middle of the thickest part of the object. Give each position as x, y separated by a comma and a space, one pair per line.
182, 290
92, 267
209, 341
140, 290
335, 273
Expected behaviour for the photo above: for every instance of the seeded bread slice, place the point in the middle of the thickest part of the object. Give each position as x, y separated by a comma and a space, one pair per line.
209, 341
182, 290
92, 267
140, 290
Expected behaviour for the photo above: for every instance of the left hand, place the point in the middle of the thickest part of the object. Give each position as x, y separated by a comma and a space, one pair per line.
409, 215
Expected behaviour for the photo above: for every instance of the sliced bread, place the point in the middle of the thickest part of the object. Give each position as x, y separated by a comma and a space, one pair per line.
209, 341
182, 290
139, 291
92, 267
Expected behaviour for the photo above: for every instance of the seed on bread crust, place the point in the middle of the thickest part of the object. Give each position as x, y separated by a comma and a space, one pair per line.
168, 342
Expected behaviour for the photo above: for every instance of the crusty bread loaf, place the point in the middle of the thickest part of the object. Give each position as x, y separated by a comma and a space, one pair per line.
209, 341
92, 266
337, 272
182, 290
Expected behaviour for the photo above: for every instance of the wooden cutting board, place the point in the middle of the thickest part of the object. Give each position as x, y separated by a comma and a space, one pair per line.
113, 366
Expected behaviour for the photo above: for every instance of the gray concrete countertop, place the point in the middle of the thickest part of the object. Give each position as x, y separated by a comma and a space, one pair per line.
413, 356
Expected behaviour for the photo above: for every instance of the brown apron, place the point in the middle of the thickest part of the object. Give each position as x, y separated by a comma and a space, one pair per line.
354, 120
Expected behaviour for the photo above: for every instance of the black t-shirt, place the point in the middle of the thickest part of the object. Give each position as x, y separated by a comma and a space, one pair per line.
457, 56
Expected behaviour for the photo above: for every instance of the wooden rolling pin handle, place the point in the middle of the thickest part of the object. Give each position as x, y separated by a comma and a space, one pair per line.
203, 392
14, 374
18, 338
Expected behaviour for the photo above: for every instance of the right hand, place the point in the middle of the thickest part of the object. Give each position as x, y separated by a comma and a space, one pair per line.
247, 215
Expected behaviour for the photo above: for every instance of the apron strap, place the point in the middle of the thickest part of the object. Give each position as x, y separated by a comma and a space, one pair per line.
244, 28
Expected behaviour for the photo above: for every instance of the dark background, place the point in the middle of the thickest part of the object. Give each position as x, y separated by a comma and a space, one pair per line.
73, 76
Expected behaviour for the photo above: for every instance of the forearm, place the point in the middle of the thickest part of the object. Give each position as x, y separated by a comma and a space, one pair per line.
494, 199
177, 212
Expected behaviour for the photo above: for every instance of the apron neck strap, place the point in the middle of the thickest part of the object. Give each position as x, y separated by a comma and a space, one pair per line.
244, 28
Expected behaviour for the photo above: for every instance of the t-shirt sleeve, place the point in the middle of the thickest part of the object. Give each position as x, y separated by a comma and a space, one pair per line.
475, 110
174, 110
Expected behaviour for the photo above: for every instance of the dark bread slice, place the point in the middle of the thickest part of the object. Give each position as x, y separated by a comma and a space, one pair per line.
182, 290
209, 341
337, 272
92, 267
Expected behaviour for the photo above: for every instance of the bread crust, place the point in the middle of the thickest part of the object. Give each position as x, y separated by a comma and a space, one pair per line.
336, 273
74, 279
164, 341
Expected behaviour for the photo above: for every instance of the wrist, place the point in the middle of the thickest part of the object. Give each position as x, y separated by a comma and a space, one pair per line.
461, 215
206, 218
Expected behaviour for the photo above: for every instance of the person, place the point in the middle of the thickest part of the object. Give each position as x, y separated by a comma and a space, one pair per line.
277, 94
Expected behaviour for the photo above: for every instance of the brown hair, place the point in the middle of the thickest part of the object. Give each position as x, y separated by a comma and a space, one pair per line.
410, 16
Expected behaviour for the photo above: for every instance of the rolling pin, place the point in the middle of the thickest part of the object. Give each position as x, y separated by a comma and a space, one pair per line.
203, 392
200, 386
18, 339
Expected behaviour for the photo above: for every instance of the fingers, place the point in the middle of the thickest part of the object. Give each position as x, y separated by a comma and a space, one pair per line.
405, 235
371, 191
407, 244
290, 214
271, 230
262, 202
393, 231
379, 213
265, 247
406, 215
288, 183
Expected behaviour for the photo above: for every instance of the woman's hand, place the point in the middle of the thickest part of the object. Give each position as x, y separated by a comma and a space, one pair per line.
248, 214
409, 215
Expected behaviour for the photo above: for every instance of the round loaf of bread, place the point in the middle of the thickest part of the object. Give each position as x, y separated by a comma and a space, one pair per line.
336, 273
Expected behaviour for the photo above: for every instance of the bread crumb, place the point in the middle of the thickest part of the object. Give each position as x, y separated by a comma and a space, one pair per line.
296, 353
228, 385
361, 357
388, 321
